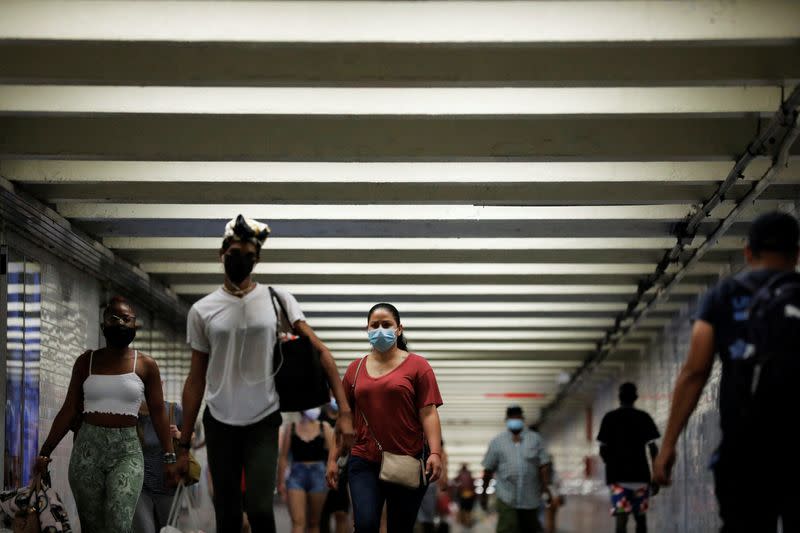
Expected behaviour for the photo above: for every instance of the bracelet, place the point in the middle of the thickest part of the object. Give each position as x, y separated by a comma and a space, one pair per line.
435, 453
170, 458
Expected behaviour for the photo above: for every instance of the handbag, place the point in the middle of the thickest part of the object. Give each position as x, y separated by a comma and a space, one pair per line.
300, 380
403, 470
195, 470
34, 508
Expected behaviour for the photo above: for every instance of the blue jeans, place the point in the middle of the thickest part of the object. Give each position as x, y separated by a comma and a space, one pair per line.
369, 494
307, 477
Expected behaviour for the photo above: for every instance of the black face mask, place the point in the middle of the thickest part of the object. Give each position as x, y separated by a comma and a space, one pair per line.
119, 336
238, 267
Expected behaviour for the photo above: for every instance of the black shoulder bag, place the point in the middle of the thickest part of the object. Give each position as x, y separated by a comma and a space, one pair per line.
299, 377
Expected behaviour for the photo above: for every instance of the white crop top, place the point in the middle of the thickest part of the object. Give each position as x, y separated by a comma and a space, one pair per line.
116, 394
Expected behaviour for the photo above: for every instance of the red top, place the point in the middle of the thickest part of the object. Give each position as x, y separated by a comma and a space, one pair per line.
391, 403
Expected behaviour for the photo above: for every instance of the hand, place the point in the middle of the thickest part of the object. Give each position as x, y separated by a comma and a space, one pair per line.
662, 466
171, 478
41, 465
181, 468
175, 432
332, 475
282, 491
345, 434
655, 488
547, 496
433, 468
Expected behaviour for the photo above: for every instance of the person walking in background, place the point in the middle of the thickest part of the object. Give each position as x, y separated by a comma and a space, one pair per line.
429, 509
155, 501
396, 398
232, 333
309, 443
337, 503
626, 434
465, 494
106, 468
751, 321
519, 458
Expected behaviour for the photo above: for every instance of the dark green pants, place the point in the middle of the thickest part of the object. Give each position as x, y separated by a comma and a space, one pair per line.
511, 520
254, 450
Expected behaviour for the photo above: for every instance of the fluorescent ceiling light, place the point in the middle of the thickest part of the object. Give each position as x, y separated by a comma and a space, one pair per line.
433, 244
401, 268
418, 323
402, 21
223, 172
384, 212
443, 290
466, 307
472, 334
340, 101
488, 347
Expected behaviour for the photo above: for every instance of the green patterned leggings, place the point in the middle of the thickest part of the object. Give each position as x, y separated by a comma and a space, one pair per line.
106, 471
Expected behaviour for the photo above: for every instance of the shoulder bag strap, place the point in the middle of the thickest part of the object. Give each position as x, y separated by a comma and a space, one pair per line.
355, 400
281, 315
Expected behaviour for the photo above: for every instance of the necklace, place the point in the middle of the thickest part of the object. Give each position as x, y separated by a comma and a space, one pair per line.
238, 292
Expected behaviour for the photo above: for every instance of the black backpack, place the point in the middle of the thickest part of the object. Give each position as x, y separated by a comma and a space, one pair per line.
773, 329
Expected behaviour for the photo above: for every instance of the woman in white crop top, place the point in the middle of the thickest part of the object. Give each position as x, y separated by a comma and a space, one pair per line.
106, 469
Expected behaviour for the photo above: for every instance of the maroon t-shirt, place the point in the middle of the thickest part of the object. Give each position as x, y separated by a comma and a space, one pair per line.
391, 403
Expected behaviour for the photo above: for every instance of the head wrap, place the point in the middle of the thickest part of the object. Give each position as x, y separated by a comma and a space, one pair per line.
246, 230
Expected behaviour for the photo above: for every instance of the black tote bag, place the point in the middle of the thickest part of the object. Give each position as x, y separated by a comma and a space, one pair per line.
299, 377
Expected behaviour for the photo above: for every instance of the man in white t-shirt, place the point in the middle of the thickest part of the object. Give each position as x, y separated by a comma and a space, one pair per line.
232, 333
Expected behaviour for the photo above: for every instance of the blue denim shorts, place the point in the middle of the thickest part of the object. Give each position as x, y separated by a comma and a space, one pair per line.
307, 477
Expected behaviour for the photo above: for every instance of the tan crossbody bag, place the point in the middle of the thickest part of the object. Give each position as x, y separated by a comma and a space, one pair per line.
403, 470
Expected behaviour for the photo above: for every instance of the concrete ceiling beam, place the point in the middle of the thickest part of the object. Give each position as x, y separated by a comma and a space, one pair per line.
360, 138
520, 64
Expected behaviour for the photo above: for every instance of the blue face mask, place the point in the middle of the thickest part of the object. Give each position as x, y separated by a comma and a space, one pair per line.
382, 339
515, 425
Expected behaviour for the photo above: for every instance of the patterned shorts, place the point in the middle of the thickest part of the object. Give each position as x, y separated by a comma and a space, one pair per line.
627, 501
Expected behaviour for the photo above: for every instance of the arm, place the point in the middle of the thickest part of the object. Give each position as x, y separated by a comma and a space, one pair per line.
66, 416
432, 427
653, 448
604, 452
154, 396
193, 391
344, 425
688, 388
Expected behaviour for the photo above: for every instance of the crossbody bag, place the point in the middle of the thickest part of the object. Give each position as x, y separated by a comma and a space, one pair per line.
403, 470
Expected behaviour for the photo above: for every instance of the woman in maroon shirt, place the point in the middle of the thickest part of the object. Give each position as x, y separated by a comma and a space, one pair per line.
397, 393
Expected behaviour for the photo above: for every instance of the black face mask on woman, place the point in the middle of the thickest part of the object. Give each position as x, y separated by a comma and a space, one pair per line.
238, 267
119, 336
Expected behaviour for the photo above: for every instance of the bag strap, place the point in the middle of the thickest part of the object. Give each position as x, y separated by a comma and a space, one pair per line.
172, 414
355, 399
273, 295
174, 510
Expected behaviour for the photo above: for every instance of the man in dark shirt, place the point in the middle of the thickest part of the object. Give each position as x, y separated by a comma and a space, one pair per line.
755, 475
625, 435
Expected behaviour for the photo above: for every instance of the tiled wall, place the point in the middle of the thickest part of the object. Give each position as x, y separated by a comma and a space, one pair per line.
71, 316
689, 505
70, 325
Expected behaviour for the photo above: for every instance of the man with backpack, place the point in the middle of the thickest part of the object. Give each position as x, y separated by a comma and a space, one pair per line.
752, 320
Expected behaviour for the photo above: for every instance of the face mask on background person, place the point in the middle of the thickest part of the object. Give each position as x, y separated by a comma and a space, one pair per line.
118, 336
382, 339
238, 267
515, 425
312, 414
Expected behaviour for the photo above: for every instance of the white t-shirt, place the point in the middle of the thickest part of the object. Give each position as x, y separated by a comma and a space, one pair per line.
239, 336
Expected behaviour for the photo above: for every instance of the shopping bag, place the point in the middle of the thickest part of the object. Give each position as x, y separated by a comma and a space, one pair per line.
181, 495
